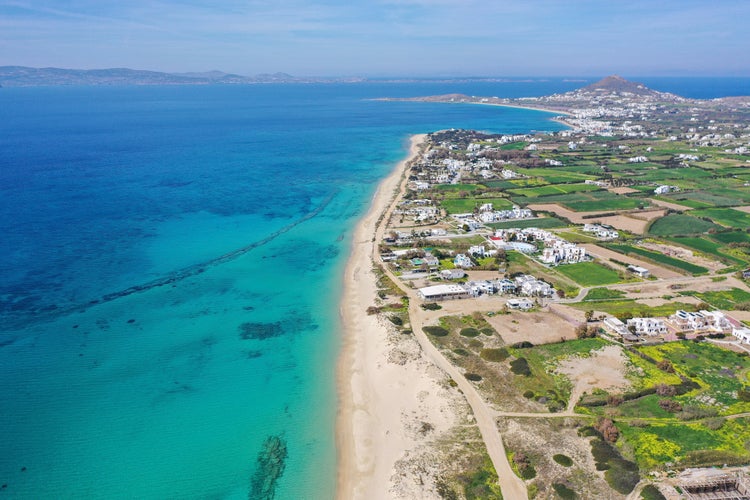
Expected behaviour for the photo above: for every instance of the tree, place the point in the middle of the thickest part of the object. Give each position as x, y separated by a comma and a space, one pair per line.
665, 366
608, 430
589, 315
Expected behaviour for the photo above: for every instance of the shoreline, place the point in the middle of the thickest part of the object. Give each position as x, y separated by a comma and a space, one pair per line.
364, 417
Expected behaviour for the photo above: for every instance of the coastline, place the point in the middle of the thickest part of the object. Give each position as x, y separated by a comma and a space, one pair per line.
366, 415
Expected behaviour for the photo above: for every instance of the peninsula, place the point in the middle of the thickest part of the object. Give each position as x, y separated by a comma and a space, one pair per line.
555, 315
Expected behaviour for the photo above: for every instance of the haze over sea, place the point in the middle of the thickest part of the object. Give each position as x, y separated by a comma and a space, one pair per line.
170, 268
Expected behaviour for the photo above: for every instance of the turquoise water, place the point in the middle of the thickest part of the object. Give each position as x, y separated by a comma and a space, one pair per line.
171, 267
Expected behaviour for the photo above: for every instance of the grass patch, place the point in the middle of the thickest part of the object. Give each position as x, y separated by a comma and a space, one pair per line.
658, 258
554, 189
469, 332
458, 187
651, 492
494, 354
675, 224
466, 205
629, 308
725, 216
732, 237
723, 299
435, 331
603, 294
589, 273
563, 460
541, 223
563, 491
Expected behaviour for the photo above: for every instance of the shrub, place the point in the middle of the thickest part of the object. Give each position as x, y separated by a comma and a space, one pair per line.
665, 390
651, 492
461, 352
474, 377
435, 331
744, 394
523, 345
564, 492
520, 366
714, 424
525, 469
431, 306
469, 332
372, 310
670, 405
690, 412
665, 366
529, 394
494, 354
622, 475
563, 460
488, 331
615, 399
396, 320
607, 429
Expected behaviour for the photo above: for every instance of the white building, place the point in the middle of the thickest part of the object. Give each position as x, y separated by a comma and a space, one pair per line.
714, 321
615, 326
742, 334
563, 253
647, 326
452, 274
601, 231
639, 271
532, 287
443, 292
522, 304
462, 260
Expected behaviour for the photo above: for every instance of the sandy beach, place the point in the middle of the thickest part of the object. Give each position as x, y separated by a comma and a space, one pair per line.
385, 385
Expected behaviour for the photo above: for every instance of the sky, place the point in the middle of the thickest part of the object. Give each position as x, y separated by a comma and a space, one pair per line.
379, 38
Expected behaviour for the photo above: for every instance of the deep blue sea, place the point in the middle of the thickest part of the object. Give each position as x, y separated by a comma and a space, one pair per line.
170, 271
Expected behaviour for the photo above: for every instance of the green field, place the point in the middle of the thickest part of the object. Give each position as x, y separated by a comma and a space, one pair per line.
725, 216
586, 201
554, 189
556, 176
659, 258
674, 224
542, 223
465, 205
732, 237
723, 299
589, 273
603, 294
707, 247
458, 187
629, 308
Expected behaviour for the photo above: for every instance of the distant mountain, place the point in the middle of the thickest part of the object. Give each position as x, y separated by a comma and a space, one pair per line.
618, 84
21, 76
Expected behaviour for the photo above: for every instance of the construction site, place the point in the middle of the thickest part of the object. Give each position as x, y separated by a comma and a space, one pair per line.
720, 486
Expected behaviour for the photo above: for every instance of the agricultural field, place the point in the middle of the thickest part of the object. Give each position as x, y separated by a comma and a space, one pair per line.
556, 176
541, 223
723, 299
519, 263
467, 205
458, 187
658, 258
590, 273
708, 247
674, 224
725, 216
732, 237
554, 189
587, 201
630, 308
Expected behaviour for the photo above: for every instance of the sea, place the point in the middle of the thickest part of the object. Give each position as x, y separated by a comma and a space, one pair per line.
171, 262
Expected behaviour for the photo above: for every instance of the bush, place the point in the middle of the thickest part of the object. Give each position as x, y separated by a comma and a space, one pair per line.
396, 320
665, 390
607, 429
714, 424
461, 352
529, 394
670, 405
564, 492
525, 469
665, 366
520, 366
488, 331
435, 331
622, 475
744, 394
494, 354
474, 377
651, 492
615, 399
469, 332
563, 460
431, 306
523, 345
690, 412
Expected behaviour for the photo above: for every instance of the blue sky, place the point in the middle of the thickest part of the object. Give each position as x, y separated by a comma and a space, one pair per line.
383, 37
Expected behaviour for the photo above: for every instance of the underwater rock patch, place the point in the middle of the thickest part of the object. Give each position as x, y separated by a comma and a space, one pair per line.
260, 331
270, 466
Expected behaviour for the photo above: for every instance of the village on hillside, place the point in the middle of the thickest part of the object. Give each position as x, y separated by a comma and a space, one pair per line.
600, 274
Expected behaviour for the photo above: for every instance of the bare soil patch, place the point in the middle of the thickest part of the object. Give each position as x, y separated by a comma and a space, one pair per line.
622, 190
603, 369
535, 327
684, 254
633, 221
